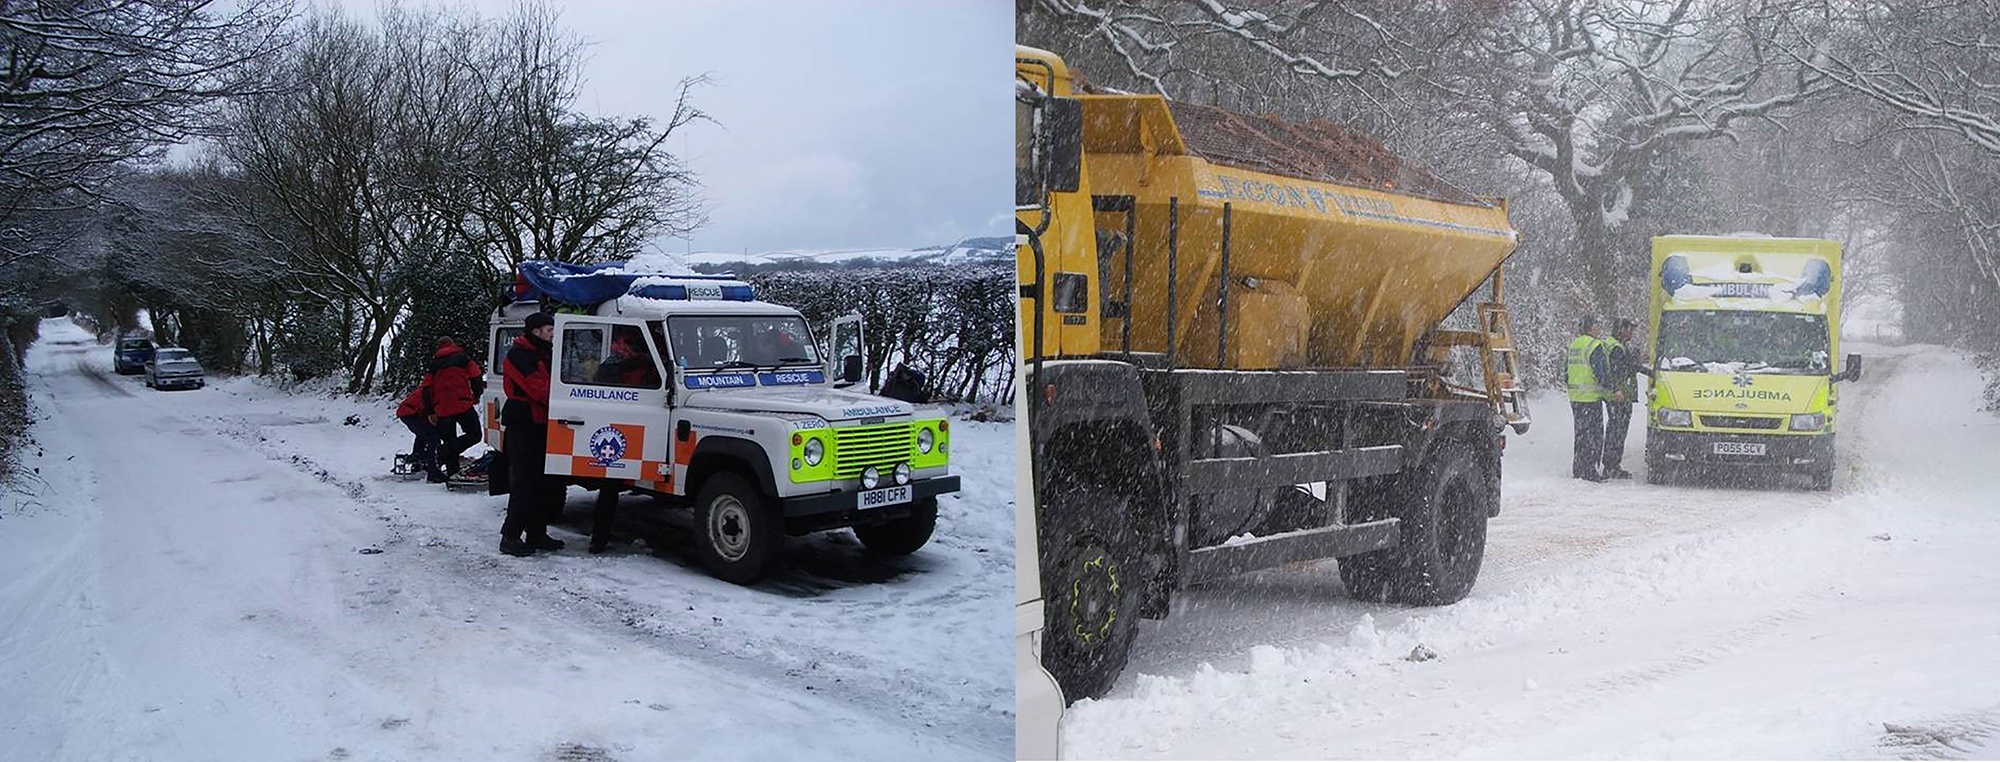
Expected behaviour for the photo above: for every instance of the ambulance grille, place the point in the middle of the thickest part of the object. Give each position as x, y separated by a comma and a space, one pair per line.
857, 448
1741, 422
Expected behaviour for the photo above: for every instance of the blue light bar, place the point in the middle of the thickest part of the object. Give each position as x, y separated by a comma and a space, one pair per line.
731, 293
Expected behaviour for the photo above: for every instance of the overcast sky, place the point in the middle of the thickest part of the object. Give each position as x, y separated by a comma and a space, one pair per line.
850, 124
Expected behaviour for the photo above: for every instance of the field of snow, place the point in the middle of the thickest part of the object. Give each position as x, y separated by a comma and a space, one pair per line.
228, 573
969, 250
1623, 620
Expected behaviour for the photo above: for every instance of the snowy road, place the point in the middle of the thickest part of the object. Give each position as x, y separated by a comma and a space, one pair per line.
1628, 620
224, 574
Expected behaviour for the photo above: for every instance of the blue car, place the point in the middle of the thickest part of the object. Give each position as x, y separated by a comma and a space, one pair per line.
132, 355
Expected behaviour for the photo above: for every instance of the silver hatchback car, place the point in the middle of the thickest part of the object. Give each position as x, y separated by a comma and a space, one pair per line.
174, 367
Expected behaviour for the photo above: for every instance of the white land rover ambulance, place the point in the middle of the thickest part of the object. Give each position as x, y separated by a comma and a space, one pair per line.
688, 388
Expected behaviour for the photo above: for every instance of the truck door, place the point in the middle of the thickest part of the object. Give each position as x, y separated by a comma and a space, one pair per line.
845, 338
608, 415
501, 339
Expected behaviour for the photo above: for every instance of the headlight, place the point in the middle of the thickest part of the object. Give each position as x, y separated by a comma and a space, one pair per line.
1670, 417
871, 477
815, 451
925, 441
796, 465
1809, 422
903, 472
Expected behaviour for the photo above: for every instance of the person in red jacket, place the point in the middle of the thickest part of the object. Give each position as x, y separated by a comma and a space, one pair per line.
524, 436
455, 379
416, 413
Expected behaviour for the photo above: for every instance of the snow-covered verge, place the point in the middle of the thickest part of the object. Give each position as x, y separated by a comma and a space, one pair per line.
1628, 620
227, 573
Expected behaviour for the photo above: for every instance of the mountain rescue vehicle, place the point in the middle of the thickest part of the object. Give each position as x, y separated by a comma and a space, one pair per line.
688, 388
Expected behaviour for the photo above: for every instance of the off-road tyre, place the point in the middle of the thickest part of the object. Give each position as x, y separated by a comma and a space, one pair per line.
1091, 589
737, 536
901, 537
1443, 506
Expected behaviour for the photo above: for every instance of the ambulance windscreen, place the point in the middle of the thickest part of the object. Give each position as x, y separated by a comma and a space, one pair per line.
740, 341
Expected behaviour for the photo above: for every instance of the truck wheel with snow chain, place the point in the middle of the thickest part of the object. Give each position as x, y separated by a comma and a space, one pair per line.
901, 537
736, 535
1091, 587
1443, 507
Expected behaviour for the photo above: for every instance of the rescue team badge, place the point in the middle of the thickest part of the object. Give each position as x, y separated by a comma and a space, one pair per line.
607, 447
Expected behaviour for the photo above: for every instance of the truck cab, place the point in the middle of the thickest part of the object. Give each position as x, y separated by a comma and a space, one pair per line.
1747, 329
688, 388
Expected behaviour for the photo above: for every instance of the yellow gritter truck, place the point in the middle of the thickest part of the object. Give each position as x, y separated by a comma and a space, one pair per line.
1746, 331
1235, 360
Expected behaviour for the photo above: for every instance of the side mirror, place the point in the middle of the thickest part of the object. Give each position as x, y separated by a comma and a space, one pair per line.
1063, 130
850, 369
1852, 372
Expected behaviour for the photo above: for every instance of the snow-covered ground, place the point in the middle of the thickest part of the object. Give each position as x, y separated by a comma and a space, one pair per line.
227, 573
1627, 620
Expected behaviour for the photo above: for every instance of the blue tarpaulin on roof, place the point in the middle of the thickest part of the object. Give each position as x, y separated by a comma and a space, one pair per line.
591, 284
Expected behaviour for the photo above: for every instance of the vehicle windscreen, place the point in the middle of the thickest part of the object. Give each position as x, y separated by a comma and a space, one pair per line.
172, 355
1724, 341
134, 344
740, 341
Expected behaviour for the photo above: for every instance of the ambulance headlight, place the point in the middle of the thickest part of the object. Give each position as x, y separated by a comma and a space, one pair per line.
815, 451
871, 477
796, 465
1809, 422
1670, 417
903, 473
926, 439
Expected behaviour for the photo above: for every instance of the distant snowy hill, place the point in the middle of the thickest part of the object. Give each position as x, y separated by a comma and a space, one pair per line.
968, 251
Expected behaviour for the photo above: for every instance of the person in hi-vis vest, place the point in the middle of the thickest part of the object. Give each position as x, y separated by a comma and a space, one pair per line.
1588, 364
1623, 357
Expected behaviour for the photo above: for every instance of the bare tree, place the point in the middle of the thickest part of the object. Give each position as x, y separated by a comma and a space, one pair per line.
549, 182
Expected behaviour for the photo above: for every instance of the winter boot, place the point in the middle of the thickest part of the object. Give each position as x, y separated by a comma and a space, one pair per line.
515, 547
545, 542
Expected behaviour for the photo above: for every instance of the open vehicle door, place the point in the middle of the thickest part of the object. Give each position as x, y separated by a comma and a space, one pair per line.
847, 364
608, 414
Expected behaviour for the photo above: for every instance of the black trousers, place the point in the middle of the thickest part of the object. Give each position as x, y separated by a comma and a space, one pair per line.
455, 434
531, 498
604, 517
1589, 438
1617, 419
424, 449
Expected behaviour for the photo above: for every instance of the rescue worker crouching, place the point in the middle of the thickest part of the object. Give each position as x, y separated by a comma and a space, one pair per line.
1587, 364
1623, 358
416, 412
524, 437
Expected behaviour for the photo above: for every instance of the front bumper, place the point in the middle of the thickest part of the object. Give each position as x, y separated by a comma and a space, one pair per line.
839, 509
165, 381
1680, 448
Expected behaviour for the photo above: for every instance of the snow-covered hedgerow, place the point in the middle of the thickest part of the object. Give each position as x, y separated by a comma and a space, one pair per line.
954, 324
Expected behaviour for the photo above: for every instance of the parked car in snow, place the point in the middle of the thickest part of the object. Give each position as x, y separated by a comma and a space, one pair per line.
173, 366
132, 354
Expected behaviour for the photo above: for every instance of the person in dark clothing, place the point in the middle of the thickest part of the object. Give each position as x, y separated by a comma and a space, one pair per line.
905, 384
455, 387
524, 436
1625, 364
1587, 366
627, 363
416, 412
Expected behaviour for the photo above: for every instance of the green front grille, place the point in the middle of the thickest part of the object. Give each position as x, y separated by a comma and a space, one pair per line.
863, 446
